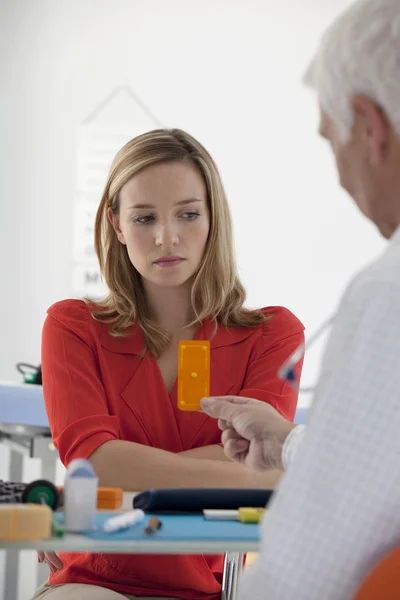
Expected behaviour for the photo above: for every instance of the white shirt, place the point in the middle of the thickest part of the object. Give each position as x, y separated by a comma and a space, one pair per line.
337, 512
292, 444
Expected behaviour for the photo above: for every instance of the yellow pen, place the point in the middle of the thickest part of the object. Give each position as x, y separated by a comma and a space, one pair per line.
250, 515
244, 514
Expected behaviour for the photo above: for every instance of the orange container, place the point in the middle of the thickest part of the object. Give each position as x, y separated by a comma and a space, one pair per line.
193, 373
107, 498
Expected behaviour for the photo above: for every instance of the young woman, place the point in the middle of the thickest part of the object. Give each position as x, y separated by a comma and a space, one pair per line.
164, 242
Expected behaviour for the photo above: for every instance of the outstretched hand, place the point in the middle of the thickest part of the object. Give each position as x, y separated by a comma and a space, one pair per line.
253, 432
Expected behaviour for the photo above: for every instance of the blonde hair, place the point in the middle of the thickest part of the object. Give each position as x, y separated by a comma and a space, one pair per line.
217, 292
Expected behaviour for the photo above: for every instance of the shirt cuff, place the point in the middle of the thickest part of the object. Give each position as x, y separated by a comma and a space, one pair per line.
291, 445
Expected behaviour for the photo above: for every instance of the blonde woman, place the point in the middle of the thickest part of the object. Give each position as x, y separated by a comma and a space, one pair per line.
164, 242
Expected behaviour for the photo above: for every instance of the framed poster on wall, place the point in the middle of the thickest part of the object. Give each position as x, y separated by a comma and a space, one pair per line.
116, 120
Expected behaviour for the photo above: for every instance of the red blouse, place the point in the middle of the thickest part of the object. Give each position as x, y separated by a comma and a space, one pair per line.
99, 388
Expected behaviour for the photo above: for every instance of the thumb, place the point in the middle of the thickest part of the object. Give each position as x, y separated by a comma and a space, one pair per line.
219, 408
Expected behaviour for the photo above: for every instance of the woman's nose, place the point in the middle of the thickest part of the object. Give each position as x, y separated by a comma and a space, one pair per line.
166, 235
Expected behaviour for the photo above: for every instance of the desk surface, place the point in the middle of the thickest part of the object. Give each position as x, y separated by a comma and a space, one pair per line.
22, 406
188, 534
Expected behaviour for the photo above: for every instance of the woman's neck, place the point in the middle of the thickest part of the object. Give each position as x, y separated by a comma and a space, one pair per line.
170, 308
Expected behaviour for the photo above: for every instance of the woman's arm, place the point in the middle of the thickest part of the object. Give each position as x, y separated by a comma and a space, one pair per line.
216, 453
280, 337
212, 452
135, 467
83, 428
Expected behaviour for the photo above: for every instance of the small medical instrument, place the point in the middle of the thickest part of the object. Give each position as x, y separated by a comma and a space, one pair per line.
287, 371
152, 526
30, 373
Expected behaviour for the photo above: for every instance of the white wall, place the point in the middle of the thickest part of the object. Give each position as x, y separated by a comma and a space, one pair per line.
229, 72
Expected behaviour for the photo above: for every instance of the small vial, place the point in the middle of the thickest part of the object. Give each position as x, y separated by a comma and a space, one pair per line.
152, 526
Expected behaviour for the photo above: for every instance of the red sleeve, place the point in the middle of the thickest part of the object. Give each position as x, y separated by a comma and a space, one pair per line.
75, 399
280, 336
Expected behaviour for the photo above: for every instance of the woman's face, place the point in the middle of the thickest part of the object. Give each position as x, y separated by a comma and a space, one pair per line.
164, 222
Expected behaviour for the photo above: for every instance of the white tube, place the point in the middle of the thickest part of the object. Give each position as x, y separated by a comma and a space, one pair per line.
124, 521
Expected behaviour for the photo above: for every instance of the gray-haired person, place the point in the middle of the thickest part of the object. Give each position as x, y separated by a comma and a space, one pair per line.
337, 511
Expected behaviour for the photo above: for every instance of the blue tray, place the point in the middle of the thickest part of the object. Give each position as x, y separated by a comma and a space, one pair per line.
179, 528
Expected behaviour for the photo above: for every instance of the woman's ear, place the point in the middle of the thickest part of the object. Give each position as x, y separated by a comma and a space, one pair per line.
376, 126
114, 220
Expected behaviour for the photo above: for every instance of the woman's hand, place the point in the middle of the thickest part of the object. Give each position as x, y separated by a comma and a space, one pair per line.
51, 558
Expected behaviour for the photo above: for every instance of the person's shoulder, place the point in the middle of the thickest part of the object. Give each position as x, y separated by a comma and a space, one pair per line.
375, 284
280, 323
73, 314
381, 273
279, 318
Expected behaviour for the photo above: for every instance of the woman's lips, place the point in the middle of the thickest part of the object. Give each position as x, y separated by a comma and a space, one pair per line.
169, 261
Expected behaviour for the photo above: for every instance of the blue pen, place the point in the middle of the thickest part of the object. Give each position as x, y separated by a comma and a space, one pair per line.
287, 371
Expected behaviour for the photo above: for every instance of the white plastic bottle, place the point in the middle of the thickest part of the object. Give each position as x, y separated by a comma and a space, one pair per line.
80, 496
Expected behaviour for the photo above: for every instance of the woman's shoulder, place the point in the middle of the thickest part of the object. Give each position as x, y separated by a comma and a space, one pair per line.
71, 314
279, 324
78, 316
280, 328
280, 321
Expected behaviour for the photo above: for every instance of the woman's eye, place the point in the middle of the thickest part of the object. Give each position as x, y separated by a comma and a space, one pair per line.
145, 220
190, 215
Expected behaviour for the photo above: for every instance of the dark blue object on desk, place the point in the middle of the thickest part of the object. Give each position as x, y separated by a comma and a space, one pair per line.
183, 501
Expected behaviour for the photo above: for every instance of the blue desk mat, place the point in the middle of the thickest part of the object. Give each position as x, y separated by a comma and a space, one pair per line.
178, 528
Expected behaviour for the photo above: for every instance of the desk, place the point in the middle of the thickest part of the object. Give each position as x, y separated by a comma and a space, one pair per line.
24, 428
188, 534
72, 542
22, 404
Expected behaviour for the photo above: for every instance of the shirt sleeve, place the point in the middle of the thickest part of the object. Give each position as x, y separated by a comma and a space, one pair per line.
74, 396
279, 339
291, 445
336, 513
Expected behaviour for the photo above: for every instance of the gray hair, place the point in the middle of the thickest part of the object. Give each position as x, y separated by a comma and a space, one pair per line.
359, 54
